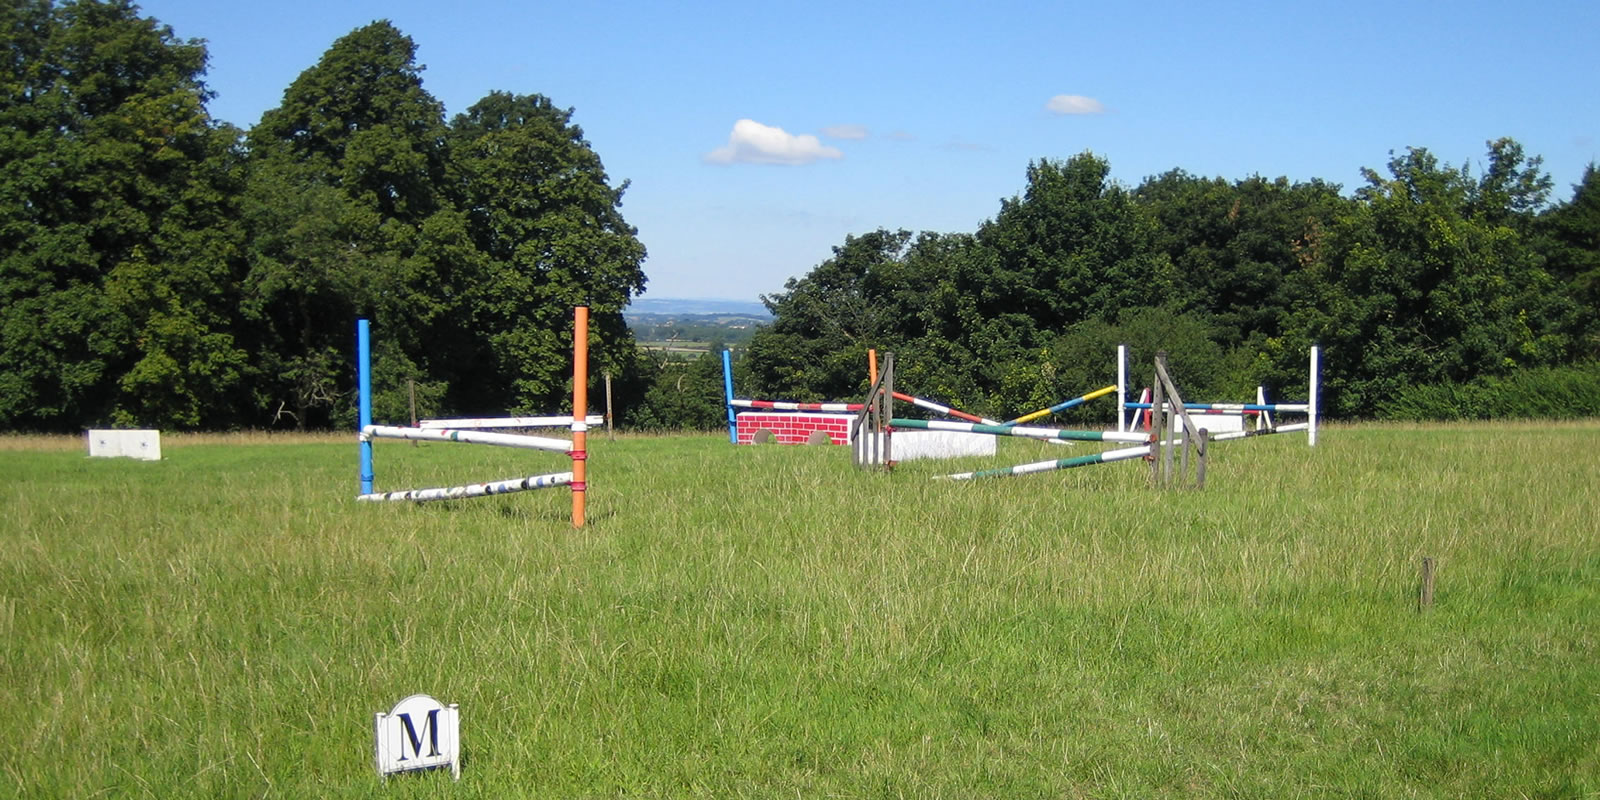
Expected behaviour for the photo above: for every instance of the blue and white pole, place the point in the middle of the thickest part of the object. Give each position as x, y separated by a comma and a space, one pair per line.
364, 391
727, 391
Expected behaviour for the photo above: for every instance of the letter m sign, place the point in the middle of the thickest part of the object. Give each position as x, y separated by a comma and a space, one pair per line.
418, 733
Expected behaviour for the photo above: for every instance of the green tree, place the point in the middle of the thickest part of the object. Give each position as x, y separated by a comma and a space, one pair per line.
119, 255
1513, 188
968, 315
349, 216
1569, 235
1423, 282
1073, 247
825, 322
550, 234
682, 395
1238, 249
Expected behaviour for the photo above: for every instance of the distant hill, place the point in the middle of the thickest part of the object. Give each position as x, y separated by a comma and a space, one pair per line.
692, 305
683, 328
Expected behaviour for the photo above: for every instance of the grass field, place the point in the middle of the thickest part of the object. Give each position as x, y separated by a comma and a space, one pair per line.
769, 622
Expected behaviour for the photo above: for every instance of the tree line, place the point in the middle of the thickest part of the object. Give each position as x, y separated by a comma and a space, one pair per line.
159, 267
1433, 290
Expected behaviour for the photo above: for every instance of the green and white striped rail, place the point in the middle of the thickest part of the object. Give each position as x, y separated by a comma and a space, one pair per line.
1106, 457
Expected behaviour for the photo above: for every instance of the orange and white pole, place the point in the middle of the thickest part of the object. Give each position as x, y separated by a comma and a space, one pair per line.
580, 410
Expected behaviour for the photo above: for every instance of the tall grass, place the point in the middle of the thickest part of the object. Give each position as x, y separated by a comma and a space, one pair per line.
767, 621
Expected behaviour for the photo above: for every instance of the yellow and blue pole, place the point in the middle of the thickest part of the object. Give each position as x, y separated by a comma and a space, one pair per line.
1063, 406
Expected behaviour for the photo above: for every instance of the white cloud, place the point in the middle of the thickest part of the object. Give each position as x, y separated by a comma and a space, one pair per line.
852, 132
754, 143
1074, 104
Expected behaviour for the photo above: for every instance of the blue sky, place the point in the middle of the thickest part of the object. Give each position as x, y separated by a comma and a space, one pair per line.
757, 136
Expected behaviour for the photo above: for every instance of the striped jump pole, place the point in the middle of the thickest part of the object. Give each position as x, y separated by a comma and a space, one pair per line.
1063, 406
941, 408
507, 422
1106, 457
516, 440
785, 405
1046, 466
1226, 436
472, 490
937, 408
1021, 430
1234, 408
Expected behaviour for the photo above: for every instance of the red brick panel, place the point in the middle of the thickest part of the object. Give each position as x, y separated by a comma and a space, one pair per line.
792, 427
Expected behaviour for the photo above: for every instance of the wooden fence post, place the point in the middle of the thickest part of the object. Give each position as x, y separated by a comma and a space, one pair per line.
611, 433
1158, 433
1174, 420
411, 391
869, 432
887, 397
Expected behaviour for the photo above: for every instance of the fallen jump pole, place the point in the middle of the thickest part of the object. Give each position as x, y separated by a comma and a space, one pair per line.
473, 490
1063, 406
1020, 430
1103, 458
940, 408
1045, 466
